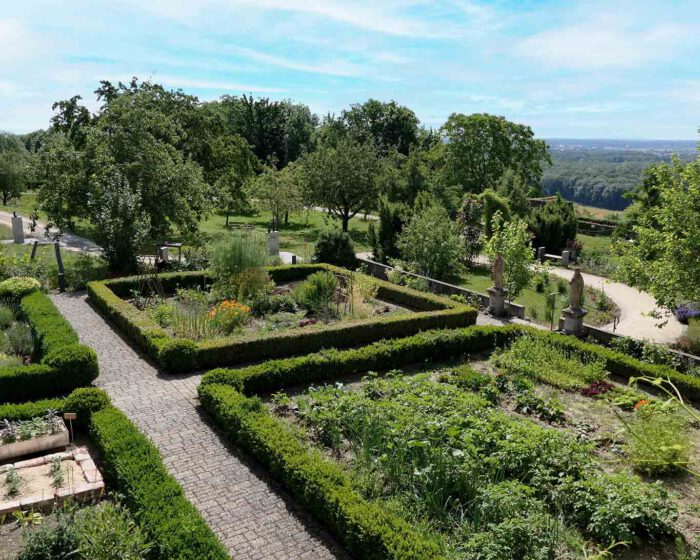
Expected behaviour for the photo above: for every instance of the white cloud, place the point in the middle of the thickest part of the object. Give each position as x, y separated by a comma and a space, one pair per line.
606, 42
334, 68
179, 81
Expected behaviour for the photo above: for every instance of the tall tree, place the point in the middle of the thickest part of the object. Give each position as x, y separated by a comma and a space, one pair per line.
14, 165
478, 149
663, 255
279, 191
129, 178
341, 176
511, 240
387, 125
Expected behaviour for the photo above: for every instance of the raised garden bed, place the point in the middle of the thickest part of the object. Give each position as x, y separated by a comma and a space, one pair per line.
26, 437
42, 483
184, 354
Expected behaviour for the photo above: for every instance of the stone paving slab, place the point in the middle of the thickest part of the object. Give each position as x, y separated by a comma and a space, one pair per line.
252, 514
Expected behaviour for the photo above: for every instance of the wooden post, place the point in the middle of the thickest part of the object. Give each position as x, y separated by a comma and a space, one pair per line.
61, 272
34, 246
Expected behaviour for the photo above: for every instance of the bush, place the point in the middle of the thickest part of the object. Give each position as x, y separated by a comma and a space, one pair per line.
686, 312
614, 508
84, 401
19, 286
335, 247
135, 468
20, 339
7, 316
179, 356
235, 255
316, 293
554, 224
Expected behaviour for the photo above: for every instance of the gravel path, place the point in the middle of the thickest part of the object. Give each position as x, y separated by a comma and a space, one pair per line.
253, 515
68, 241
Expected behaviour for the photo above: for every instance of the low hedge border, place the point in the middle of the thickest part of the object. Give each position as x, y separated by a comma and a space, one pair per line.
134, 468
429, 346
181, 355
366, 529
62, 362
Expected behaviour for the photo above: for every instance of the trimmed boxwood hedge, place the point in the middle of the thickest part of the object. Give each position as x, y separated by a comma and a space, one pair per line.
134, 468
62, 362
366, 529
429, 346
180, 355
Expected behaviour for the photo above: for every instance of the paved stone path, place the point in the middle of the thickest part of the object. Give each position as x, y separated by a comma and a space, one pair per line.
68, 241
253, 516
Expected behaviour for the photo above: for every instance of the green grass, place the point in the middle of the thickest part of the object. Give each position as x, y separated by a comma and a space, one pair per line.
298, 236
595, 243
598, 213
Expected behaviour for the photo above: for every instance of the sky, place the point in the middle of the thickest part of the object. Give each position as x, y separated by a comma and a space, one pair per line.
567, 68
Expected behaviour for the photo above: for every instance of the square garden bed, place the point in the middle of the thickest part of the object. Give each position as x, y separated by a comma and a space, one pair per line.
361, 310
485, 442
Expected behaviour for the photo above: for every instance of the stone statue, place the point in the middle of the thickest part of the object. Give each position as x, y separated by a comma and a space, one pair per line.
497, 272
576, 289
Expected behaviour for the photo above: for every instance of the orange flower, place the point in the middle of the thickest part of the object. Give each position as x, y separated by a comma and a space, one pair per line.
641, 403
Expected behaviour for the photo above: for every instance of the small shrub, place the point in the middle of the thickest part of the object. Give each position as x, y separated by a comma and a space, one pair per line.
20, 339
628, 345
266, 304
13, 482
179, 355
479, 383
7, 316
236, 254
163, 314
85, 401
316, 293
229, 316
335, 247
19, 286
686, 312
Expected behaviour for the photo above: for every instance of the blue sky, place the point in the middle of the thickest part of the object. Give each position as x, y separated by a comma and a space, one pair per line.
567, 68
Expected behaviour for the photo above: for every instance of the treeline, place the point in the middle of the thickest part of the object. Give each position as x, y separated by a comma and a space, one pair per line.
152, 162
599, 177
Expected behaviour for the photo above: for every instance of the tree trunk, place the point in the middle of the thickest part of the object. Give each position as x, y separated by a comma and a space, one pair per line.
286, 218
228, 211
346, 219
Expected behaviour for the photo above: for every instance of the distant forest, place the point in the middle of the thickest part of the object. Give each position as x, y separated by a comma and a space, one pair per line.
599, 175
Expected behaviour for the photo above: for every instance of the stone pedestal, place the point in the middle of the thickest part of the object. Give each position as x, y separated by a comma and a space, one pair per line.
17, 229
273, 243
541, 252
497, 301
164, 254
573, 320
565, 258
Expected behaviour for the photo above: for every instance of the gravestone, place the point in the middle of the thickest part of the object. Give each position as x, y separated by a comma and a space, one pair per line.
17, 229
273, 243
565, 258
541, 252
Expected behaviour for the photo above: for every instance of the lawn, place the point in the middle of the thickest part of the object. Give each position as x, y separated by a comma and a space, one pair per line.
599, 213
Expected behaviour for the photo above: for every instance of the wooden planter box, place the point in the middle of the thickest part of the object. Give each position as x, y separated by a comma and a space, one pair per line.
36, 445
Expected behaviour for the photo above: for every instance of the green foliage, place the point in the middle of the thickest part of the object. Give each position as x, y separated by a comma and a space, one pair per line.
470, 223
135, 468
235, 255
537, 359
663, 259
14, 167
106, 531
12, 483
341, 176
85, 401
335, 247
553, 224
64, 363
19, 286
316, 294
429, 243
512, 187
493, 203
7, 316
178, 355
511, 240
615, 508
480, 148
279, 191
659, 442
480, 383
20, 339
392, 217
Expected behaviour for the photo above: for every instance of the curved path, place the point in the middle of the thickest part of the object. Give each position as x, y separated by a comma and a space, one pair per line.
634, 305
69, 241
253, 516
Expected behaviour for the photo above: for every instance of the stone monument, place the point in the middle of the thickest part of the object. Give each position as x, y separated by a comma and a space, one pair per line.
574, 314
17, 228
565, 258
497, 293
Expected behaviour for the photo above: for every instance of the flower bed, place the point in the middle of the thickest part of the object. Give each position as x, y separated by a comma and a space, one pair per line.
24, 437
177, 354
60, 363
